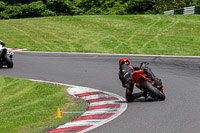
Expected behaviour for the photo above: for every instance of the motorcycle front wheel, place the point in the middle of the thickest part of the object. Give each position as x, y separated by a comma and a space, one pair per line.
154, 92
8, 61
1, 64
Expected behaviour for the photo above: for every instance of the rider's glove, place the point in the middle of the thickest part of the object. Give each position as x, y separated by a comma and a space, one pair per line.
144, 64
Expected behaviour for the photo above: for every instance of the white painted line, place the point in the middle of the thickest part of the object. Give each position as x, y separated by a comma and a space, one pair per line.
72, 112
128, 55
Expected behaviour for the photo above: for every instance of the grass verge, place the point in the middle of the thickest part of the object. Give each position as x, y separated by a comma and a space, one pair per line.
27, 106
132, 34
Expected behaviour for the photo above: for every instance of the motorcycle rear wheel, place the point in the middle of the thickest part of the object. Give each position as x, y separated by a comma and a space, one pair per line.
154, 92
8, 61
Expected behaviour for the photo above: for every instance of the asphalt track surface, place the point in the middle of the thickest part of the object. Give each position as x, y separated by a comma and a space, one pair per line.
179, 113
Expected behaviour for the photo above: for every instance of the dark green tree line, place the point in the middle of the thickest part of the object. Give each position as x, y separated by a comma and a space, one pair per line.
38, 8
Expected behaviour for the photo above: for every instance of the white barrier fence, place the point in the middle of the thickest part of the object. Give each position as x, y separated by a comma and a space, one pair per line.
184, 11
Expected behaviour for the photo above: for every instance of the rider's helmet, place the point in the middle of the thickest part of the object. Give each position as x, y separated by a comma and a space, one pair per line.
124, 61
2, 43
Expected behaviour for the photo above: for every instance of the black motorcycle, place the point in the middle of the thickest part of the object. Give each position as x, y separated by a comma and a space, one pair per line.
6, 57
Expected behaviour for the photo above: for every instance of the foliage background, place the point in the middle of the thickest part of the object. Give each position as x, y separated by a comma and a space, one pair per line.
39, 8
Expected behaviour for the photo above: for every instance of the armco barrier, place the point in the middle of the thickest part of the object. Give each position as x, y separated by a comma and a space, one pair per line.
184, 11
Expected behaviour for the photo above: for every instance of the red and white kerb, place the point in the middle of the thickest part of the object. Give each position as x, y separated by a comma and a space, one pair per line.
103, 107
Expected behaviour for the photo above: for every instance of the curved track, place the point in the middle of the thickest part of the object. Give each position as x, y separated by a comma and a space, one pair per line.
179, 113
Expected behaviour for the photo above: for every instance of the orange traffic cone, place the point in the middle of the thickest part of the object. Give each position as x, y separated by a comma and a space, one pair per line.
58, 114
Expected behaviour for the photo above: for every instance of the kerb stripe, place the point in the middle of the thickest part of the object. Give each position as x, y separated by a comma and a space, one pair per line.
72, 129
117, 105
102, 99
89, 93
95, 116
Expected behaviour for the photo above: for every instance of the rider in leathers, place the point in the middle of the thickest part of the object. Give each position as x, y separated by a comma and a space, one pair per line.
125, 75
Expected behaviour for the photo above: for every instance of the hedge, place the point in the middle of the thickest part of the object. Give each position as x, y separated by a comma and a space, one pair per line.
38, 8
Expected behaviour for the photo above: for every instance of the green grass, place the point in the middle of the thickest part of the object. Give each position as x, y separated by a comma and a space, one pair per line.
132, 34
30, 107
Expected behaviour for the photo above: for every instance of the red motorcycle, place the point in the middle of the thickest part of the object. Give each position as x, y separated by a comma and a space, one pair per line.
147, 85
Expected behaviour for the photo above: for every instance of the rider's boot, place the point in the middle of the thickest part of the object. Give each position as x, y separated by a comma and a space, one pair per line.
145, 95
137, 95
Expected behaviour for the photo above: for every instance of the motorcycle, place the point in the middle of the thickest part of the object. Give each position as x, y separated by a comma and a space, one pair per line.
6, 57
147, 85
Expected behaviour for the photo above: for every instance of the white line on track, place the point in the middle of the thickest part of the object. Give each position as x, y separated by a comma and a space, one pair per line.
128, 55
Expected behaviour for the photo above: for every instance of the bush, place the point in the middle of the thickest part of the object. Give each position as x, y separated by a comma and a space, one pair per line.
3, 15
118, 9
12, 12
35, 9
2, 6
88, 7
139, 6
48, 13
61, 7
